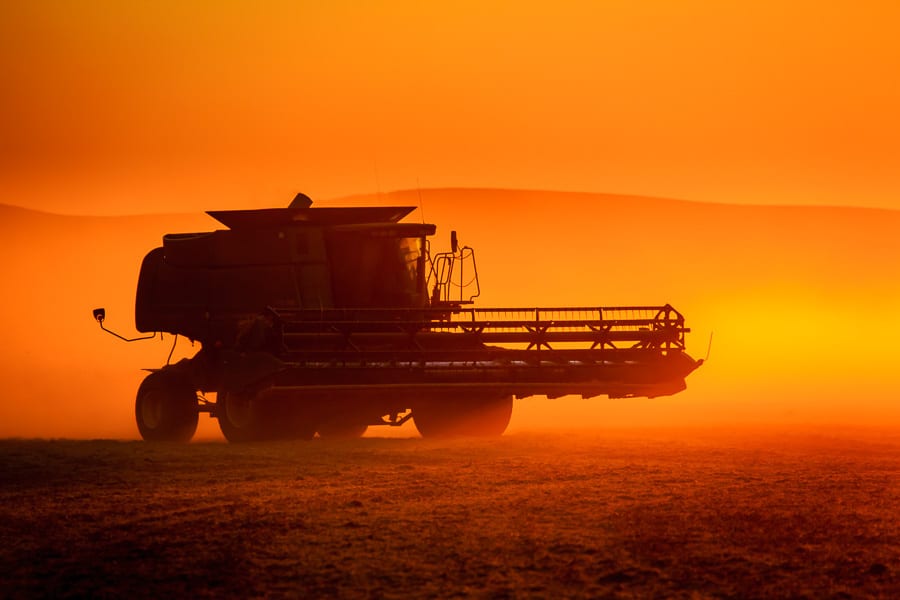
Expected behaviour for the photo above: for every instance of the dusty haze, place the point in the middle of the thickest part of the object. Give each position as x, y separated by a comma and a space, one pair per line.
802, 302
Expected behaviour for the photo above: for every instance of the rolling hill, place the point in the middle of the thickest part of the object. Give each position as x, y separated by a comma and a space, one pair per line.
803, 302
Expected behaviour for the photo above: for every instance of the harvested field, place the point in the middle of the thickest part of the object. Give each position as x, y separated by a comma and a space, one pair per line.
637, 513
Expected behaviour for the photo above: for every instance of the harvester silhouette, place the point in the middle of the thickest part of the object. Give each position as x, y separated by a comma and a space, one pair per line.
332, 320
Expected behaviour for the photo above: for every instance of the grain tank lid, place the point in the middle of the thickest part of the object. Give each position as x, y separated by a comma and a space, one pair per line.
281, 217
398, 230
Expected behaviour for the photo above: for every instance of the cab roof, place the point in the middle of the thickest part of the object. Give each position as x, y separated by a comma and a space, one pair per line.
327, 217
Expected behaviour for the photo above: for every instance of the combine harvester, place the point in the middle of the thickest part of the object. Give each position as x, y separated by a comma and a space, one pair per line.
332, 320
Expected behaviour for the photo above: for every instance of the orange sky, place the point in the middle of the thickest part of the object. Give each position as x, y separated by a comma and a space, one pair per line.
111, 107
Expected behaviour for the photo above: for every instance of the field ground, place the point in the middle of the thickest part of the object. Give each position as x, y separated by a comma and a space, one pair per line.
637, 513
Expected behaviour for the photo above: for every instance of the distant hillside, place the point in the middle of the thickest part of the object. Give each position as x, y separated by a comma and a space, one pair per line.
627, 247
803, 301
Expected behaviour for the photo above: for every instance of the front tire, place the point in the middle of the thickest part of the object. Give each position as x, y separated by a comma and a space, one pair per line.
479, 416
166, 408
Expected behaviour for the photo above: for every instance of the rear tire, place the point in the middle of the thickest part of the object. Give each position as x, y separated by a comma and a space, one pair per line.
480, 416
239, 417
248, 417
166, 408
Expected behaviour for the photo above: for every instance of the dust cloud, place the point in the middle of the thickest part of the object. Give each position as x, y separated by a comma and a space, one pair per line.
802, 302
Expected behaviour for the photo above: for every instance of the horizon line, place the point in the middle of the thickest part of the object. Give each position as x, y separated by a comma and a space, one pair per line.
376, 196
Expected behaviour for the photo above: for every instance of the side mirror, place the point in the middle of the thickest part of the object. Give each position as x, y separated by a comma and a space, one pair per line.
100, 315
454, 243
